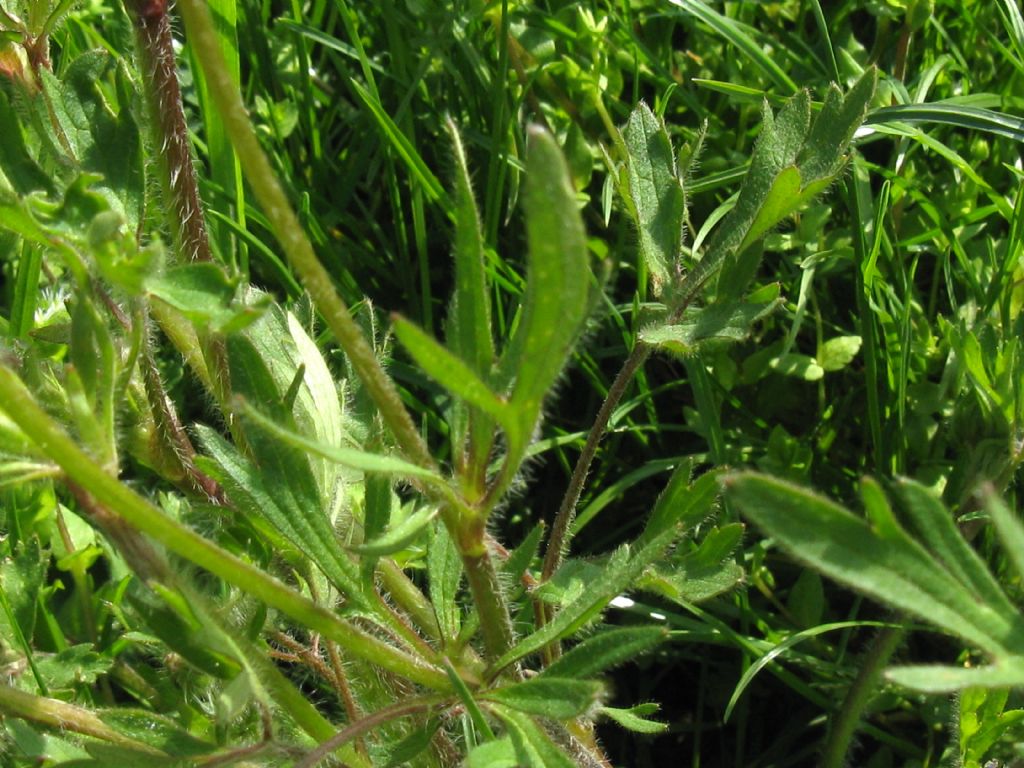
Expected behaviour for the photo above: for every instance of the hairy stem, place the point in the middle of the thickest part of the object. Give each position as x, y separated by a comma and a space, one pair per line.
139, 513
293, 239
368, 723
168, 129
488, 596
62, 716
315, 278
557, 540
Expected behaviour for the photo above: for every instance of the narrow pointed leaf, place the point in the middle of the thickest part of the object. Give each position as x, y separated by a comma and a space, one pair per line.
1010, 531
303, 523
557, 287
469, 329
681, 501
364, 461
534, 748
635, 718
934, 527
819, 533
450, 371
606, 650
400, 536
555, 697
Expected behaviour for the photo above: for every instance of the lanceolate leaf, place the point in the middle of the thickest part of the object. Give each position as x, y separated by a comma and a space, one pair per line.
559, 698
451, 372
363, 461
400, 536
605, 650
469, 327
656, 189
887, 565
534, 748
444, 568
304, 523
617, 575
635, 718
682, 502
557, 288
933, 526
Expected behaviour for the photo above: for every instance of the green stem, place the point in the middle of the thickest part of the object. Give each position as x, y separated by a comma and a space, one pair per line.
62, 716
293, 239
859, 696
368, 723
408, 596
141, 514
488, 596
316, 280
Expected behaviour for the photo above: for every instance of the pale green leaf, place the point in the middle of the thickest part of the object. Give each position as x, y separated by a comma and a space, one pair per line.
635, 718
400, 536
837, 353
929, 678
798, 366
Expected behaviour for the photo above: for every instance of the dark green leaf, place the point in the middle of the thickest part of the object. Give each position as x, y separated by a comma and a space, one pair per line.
469, 327
549, 696
617, 575
605, 650
444, 568
557, 287
729, 322
658, 197
682, 502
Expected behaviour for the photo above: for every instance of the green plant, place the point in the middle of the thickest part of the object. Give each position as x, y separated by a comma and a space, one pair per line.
319, 570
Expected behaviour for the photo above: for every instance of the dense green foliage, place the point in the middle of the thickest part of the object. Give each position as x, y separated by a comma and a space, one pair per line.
436, 439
